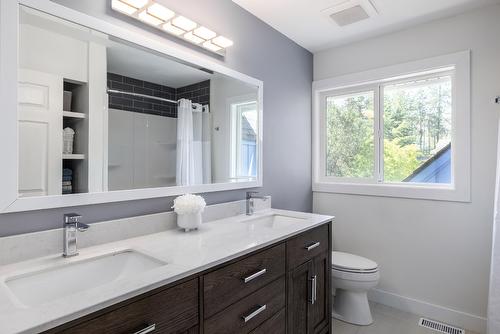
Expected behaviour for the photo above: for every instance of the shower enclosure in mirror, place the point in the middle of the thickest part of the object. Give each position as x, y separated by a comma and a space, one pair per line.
103, 118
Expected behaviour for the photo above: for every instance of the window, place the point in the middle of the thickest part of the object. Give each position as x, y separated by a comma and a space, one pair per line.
417, 130
413, 143
349, 135
244, 138
404, 135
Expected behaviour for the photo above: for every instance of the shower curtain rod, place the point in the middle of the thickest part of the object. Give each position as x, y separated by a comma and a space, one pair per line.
116, 91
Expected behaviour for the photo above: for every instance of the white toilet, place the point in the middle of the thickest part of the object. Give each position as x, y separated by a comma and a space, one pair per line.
352, 277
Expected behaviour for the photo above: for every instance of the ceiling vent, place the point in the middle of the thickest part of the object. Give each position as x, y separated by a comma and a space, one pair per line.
350, 11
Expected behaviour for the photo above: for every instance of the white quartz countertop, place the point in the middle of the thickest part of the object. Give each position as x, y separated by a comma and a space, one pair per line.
185, 254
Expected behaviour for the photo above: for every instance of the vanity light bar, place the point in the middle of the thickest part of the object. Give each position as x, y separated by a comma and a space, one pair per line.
161, 12
184, 23
161, 17
193, 38
123, 7
144, 16
135, 3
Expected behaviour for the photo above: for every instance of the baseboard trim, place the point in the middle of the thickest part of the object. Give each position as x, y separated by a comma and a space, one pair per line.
453, 317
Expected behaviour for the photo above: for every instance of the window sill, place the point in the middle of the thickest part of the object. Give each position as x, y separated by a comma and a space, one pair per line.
417, 191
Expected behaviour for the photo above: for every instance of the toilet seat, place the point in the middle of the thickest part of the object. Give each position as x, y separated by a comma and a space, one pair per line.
351, 263
356, 276
355, 271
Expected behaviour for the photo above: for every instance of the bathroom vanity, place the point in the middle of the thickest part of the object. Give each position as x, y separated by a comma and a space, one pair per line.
282, 286
266, 273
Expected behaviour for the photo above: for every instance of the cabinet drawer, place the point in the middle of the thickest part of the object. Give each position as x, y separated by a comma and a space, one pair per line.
307, 245
247, 314
275, 325
174, 310
229, 284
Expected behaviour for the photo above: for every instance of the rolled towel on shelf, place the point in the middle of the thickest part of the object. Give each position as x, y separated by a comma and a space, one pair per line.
67, 181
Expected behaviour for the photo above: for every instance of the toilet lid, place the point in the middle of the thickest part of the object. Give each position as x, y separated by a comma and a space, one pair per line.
352, 262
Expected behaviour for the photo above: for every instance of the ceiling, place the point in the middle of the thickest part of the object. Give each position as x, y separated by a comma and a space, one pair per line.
306, 21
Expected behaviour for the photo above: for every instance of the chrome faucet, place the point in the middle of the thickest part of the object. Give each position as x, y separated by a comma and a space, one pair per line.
250, 204
71, 227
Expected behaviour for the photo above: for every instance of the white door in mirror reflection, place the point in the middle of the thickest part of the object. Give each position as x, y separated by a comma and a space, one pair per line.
40, 133
244, 130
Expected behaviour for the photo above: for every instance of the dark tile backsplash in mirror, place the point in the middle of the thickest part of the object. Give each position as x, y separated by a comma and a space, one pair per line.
197, 93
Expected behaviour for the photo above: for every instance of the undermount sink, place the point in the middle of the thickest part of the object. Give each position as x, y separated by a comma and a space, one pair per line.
272, 221
59, 281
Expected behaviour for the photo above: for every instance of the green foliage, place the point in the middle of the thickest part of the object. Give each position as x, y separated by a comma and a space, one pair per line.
350, 137
399, 161
418, 115
417, 122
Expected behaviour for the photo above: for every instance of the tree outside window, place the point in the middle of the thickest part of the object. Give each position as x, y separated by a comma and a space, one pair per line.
414, 139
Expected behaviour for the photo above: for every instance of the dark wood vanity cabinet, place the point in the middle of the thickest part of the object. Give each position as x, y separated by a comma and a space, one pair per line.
308, 306
172, 310
283, 288
225, 286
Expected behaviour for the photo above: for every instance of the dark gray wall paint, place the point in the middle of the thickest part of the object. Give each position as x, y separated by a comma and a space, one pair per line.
259, 51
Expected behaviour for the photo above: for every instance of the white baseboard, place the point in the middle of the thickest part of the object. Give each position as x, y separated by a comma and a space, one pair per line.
453, 317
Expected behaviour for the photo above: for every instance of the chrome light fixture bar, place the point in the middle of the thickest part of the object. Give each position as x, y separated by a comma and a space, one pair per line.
161, 17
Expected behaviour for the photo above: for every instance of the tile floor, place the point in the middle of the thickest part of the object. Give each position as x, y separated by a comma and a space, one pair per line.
387, 320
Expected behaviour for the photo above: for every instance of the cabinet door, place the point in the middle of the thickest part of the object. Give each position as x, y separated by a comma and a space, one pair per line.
299, 299
320, 309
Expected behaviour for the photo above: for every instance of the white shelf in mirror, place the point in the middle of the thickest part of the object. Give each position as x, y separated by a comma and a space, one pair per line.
73, 114
73, 156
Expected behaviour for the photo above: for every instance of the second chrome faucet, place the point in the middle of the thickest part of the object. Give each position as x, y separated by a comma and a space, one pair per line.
251, 195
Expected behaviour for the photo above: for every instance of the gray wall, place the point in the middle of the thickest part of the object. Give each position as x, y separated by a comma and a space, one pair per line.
259, 51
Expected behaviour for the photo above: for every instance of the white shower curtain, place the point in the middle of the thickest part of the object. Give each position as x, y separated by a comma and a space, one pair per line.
185, 151
193, 144
494, 297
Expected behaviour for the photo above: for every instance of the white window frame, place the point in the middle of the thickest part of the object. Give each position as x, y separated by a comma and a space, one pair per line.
456, 65
339, 93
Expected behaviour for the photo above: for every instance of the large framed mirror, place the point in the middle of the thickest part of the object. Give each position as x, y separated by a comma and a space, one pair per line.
96, 113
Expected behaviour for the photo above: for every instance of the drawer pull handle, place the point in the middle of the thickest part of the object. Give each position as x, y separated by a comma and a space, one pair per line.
314, 288
147, 329
312, 246
254, 275
248, 317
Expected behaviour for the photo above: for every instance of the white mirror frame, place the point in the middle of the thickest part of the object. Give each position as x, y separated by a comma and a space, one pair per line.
9, 26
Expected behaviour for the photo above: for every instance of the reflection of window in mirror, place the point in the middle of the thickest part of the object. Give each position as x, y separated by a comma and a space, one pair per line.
243, 138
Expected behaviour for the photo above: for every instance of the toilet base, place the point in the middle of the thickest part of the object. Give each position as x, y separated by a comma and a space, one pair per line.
352, 307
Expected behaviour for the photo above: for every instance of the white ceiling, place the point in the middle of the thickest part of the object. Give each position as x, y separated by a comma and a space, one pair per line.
303, 21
